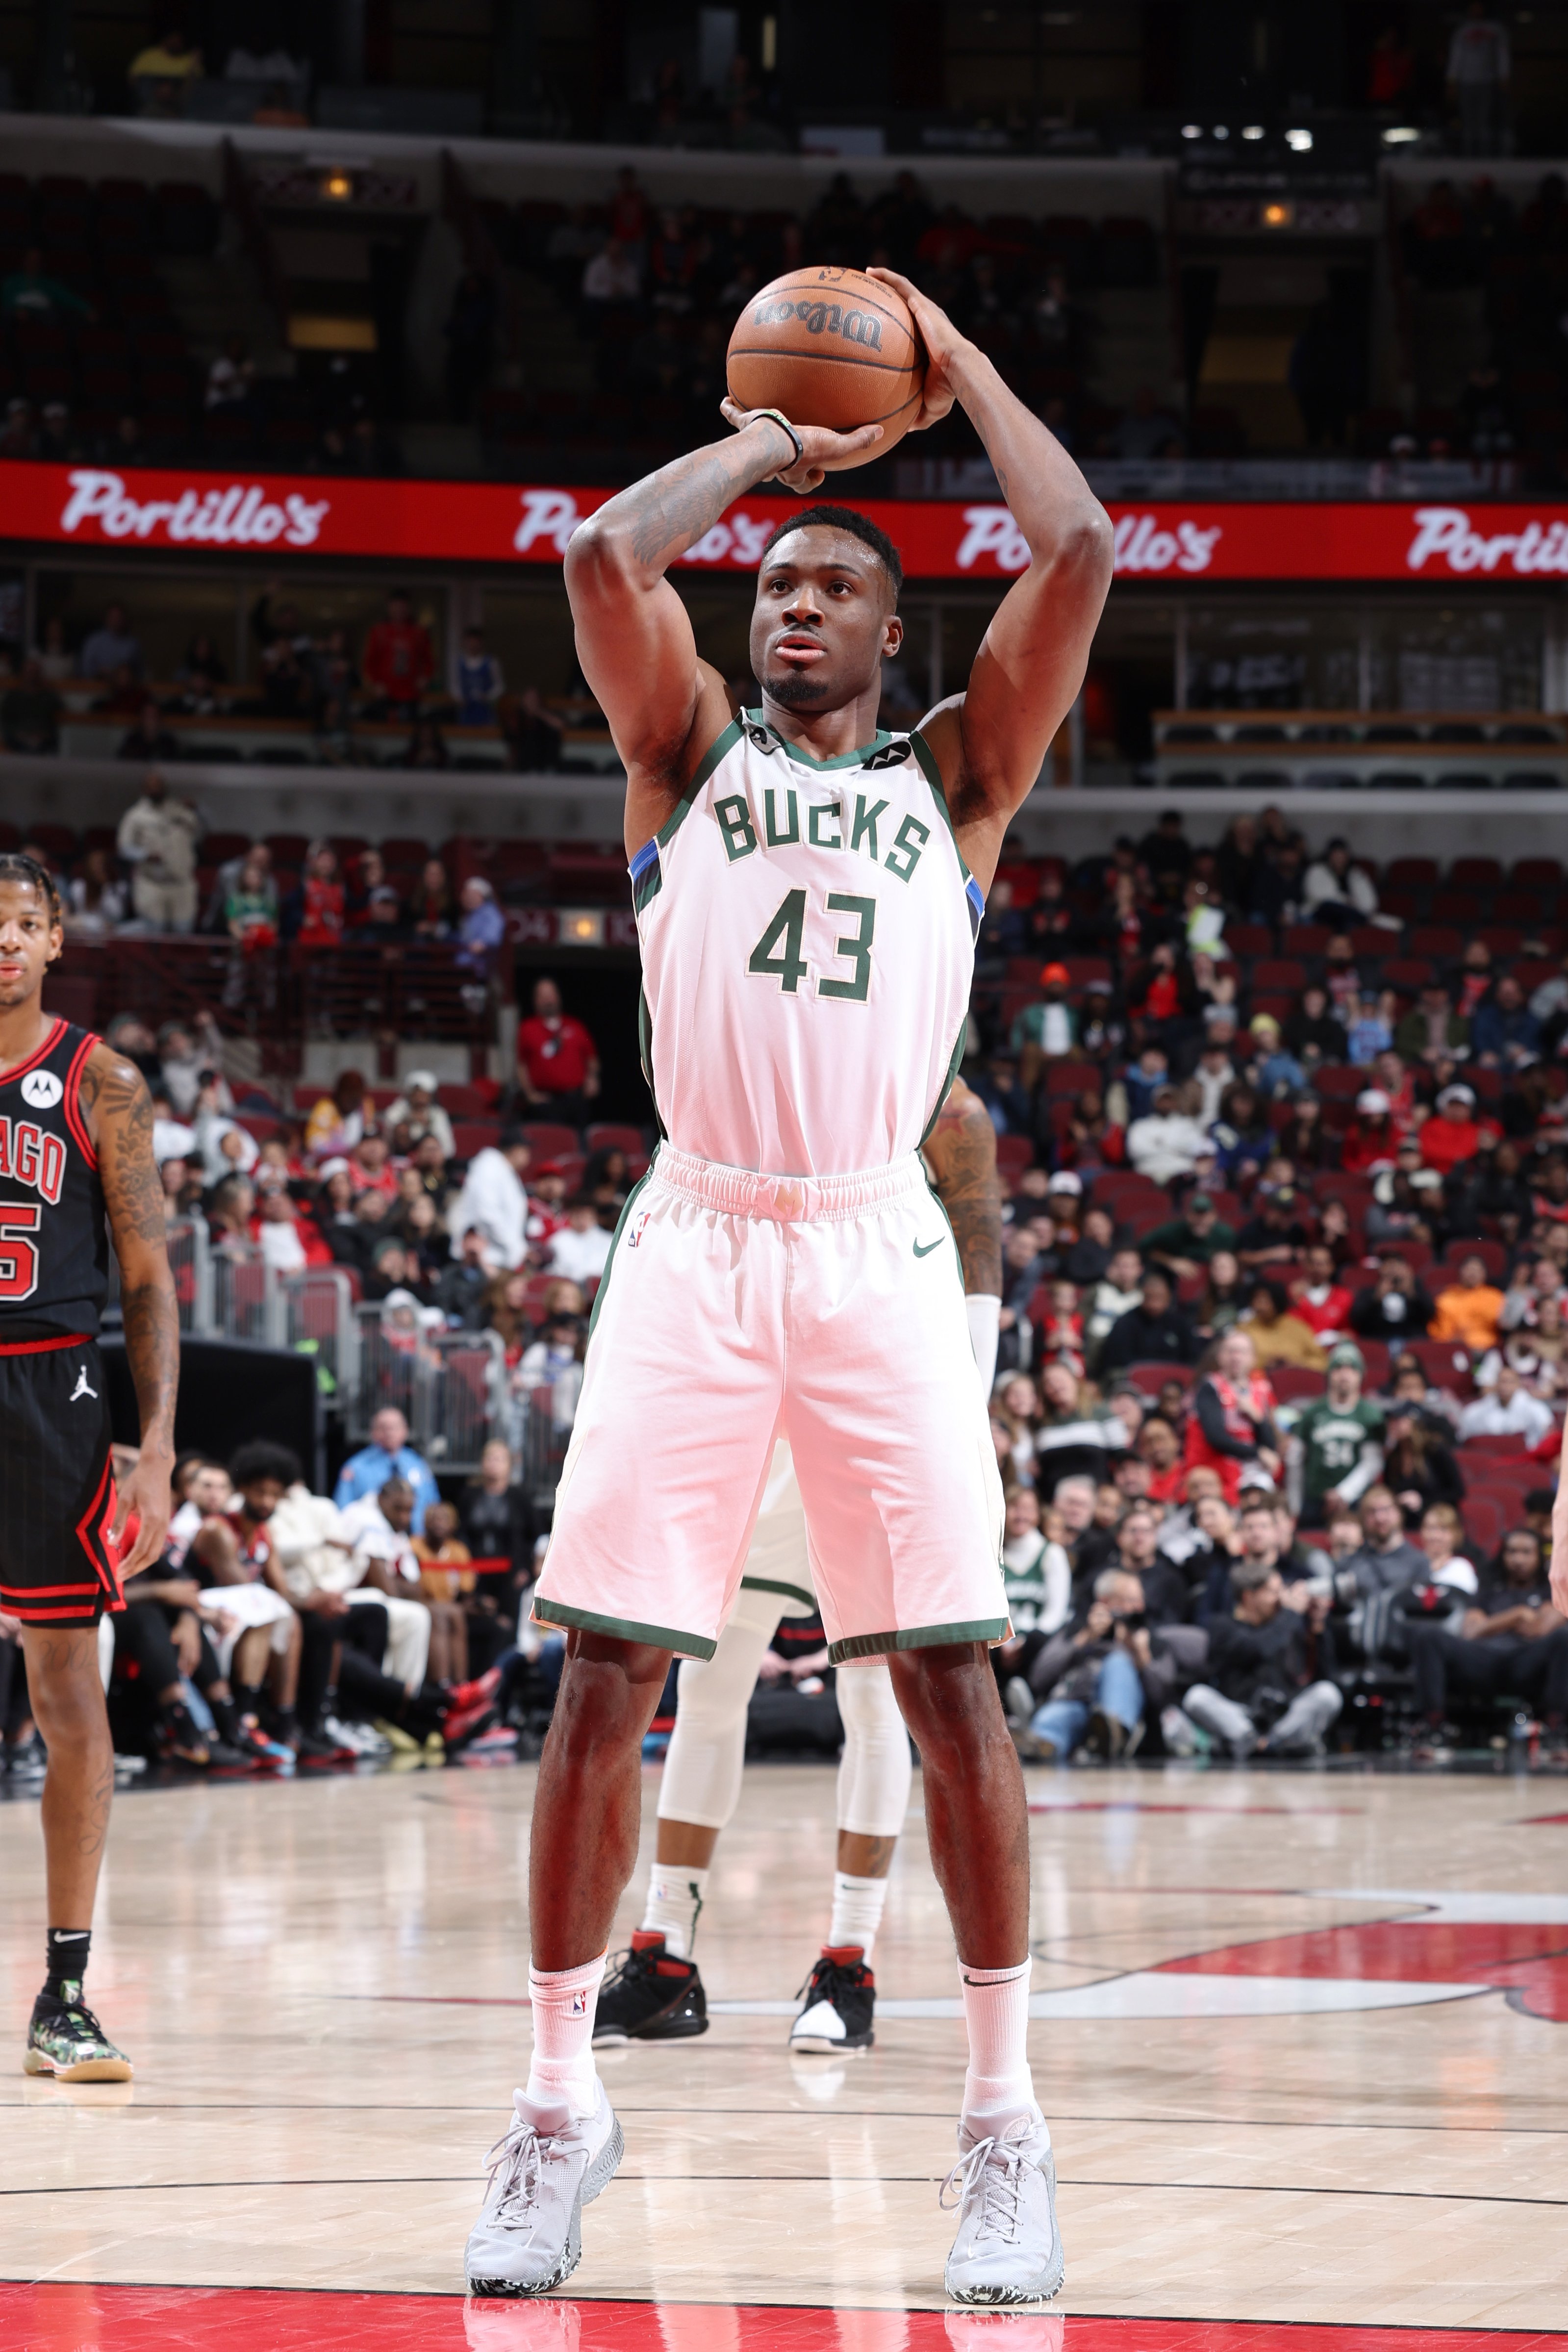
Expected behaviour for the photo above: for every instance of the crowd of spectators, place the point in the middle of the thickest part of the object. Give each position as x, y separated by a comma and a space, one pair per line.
285, 1630
1283, 1287
656, 288
321, 680
1512, 402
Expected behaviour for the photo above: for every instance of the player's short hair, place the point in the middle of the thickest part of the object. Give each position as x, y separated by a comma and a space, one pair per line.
858, 526
17, 866
262, 1459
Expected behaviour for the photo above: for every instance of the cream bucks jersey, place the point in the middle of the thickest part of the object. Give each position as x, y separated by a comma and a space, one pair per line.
808, 934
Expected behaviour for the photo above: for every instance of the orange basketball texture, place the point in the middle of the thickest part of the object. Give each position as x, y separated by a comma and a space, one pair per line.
831, 347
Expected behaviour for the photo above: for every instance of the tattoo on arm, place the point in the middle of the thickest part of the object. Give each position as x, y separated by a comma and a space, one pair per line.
671, 510
115, 1098
968, 1188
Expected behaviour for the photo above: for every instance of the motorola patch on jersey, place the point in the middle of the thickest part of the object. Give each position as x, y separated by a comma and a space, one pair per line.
41, 1089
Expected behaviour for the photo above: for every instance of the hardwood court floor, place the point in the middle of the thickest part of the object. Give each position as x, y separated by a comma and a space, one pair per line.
1302, 2040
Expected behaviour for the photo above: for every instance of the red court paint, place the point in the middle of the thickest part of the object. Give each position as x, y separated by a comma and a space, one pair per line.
56, 2317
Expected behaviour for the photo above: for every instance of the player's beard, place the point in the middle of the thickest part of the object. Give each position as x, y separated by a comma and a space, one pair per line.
796, 689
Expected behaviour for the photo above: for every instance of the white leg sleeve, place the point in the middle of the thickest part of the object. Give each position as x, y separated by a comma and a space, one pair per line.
707, 1748
105, 1650
876, 1769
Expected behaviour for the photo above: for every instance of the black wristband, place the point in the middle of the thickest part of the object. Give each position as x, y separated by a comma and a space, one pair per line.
778, 417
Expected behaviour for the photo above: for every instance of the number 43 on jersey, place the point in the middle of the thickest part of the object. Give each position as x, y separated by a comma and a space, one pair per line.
779, 953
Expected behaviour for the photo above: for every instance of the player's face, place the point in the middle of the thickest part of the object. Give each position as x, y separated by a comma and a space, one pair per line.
823, 620
30, 938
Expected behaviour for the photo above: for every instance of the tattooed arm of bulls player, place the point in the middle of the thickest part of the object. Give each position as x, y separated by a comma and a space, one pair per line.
118, 1111
962, 1150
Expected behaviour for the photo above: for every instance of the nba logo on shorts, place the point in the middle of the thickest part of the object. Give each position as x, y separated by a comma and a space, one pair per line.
639, 1229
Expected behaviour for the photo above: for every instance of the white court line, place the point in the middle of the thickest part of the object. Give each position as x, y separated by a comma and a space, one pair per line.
1151, 1993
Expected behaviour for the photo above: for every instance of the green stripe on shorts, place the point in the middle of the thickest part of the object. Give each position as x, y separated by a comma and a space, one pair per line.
917, 1637
622, 1629
770, 1584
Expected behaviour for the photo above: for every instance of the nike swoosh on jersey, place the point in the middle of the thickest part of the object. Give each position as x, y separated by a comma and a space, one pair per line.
924, 1249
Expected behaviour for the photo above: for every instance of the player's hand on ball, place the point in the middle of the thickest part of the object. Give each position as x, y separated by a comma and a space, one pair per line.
943, 343
822, 452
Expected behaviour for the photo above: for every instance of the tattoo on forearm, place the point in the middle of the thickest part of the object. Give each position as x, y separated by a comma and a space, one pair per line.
153, 1347
965, 1159
114, 1093
671, 510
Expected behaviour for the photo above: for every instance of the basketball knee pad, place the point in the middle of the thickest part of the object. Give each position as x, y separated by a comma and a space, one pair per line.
875, 1769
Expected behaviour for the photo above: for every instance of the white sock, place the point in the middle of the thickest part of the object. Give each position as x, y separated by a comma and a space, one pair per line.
857, 1911
997, 2087
562, 2066
674, 1898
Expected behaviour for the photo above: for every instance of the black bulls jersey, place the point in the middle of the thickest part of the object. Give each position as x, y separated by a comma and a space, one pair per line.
53, 1237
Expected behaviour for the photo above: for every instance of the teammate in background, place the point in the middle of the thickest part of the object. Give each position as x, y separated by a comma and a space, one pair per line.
656, 1993
1337, 1443
808, 890
76, 1139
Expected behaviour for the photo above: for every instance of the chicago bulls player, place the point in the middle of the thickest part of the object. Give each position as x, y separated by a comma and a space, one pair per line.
75, 1170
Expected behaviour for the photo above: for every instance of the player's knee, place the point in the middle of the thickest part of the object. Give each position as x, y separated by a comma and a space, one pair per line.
606, 1700
948, 1697
66, 1698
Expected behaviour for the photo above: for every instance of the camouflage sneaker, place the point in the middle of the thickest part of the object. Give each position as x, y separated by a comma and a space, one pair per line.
66, 2040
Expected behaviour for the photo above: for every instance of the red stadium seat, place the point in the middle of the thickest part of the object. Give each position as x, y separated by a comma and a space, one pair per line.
548, 1140
1486, 1523
1493, 1255
1150, 1378
1294, 1383
472, 1134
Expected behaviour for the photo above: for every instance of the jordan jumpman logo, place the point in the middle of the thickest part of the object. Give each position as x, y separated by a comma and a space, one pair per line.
82, 1387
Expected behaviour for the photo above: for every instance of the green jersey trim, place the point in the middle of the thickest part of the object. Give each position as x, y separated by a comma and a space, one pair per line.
615, 1244
770, 1584
933, 775
917, 1637
855, 759
705, 768
622, 1629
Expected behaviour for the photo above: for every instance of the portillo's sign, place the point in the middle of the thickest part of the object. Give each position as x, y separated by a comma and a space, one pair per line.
499, 524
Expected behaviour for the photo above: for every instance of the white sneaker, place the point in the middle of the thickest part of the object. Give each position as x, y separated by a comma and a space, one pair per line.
1008, 2248
543, 2171
359, 1737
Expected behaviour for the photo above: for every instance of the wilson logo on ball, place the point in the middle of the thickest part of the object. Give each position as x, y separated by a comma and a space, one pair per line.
817, 317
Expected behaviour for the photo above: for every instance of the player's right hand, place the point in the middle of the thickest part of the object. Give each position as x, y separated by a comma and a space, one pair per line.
822, 452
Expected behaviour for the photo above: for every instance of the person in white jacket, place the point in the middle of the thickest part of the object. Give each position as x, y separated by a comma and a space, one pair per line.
1168, 1142
494, 1201
1336, 891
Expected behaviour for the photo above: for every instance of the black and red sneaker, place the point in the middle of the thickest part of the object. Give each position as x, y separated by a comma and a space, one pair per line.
650, 1996
839, 1998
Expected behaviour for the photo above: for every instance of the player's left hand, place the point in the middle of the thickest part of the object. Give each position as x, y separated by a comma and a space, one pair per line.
147, 1494
943, 344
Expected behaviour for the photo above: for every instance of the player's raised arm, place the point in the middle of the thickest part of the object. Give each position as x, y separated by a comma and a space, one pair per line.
633, 636
991, 741
119, 1117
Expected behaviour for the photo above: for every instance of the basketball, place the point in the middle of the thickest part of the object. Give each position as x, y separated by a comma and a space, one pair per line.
831, 347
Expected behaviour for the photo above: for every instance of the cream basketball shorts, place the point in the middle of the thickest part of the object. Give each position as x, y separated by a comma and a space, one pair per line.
738, 1308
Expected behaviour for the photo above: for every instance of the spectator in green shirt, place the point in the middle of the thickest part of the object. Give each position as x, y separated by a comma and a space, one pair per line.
1189, 1241
1046, 1030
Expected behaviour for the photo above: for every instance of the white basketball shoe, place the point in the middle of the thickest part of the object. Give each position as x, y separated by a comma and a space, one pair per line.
1008, 2248
543, 2171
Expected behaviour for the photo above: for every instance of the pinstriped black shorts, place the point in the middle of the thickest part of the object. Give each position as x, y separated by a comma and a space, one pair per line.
56, 1485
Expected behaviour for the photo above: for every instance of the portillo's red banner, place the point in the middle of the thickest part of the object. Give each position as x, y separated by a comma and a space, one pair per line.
306, 515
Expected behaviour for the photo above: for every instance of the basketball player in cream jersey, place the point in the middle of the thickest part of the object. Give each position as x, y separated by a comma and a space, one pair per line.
656, 1993
808, 890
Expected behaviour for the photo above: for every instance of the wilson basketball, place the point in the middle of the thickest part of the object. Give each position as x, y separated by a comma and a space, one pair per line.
831, 347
